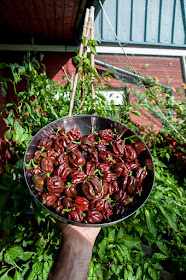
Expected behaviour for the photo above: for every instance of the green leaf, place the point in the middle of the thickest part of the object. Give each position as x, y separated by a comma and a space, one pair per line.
102, 248
8, 134
150, 223
158, 256
3, 91
111, 235
15, 252
139, 273
153, 273
21, 70
18, 276
19, 164
4, 198
5, 80
4, 65
18, 131
136, 113
170, 217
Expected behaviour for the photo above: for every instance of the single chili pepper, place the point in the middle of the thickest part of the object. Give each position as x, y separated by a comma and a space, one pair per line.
130, 153
38, 182
110, 176
90, 168
68, 202
77, 176
106, 134
50, 199
71, 191
131, 184
87, 145
118, 147
76, 214
47, 165
97, 204
77, 158
139, 147
45, 142
82, 203
141, 175
113, 187
74, 134
94, 217
55, 184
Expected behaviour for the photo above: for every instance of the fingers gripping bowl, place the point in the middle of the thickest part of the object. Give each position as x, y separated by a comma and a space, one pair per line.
88, 170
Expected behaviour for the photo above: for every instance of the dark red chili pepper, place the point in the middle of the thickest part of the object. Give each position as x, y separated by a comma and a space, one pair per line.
74, 134
47, 165
76, 214
130, 153
118, 147
139, 147
50, 199
68, 202
77, 158
71, 191
94, 217
45, 142
82, 203
131, 184
97, 204
113, 187
55, 184
87, 145
90, 168
106, 134
141, 175
77, 176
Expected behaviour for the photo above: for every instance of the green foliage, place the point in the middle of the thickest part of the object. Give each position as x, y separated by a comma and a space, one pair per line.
30, 238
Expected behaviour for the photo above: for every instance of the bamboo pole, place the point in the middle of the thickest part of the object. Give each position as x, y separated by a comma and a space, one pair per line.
92, 54
85, 54
80, 54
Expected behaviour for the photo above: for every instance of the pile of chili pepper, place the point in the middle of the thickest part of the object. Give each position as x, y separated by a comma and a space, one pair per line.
87, 179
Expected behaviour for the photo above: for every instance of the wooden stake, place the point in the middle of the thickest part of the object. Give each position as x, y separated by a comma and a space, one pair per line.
80, 54
92, 54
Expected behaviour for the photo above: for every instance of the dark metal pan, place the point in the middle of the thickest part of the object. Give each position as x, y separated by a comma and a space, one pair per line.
86, 123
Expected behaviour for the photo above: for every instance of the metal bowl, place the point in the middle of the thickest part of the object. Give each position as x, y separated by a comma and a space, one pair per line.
86, 123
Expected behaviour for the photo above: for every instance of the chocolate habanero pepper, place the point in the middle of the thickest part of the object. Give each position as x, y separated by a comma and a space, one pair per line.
106, 134
131, 184
74, 134
90, 168
87, 145
118, 147
97, 204
38, 181
140, 175
55, 184
45, 142
94, 217
77, 176
71, 191
82, 203
47, 165
77, 158
130, 153
50, 199
76, 215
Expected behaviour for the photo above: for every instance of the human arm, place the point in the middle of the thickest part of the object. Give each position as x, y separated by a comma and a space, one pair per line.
75, 253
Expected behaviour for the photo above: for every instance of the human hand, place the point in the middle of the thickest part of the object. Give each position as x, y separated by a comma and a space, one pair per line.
83, 234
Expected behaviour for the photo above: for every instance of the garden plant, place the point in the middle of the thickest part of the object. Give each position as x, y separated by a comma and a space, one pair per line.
141, 247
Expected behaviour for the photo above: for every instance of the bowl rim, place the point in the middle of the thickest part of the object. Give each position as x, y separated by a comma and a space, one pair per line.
65, 220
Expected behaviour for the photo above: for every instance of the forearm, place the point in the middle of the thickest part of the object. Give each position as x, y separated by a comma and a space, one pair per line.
72, 261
